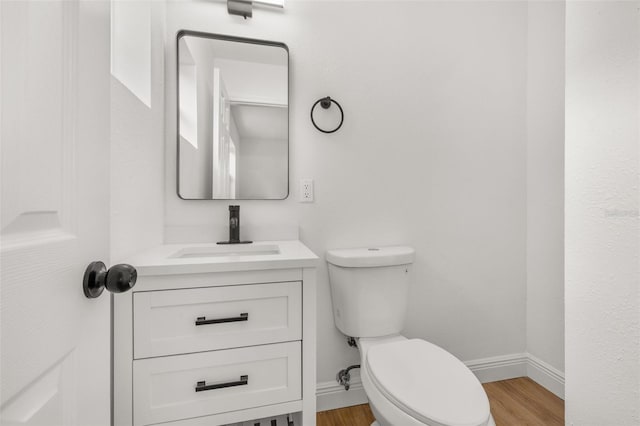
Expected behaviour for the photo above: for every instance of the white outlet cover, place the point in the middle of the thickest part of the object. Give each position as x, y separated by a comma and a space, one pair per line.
306, 190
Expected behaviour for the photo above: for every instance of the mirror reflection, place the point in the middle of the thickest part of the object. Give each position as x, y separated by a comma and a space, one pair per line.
233, 130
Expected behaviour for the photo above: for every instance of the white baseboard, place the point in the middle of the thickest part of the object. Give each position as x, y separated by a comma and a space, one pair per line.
545, 375
519, 365
330, 395
499, 367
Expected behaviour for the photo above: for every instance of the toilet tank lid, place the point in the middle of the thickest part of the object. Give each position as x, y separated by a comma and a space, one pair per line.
367, 257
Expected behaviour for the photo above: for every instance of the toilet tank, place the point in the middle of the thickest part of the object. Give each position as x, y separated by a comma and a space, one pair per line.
370, 289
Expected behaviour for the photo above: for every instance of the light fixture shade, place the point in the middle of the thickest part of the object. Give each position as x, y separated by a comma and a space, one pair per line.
274, 3
242, 8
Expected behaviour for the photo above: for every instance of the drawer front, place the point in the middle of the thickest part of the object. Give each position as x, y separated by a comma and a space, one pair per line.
195, 320
185, 386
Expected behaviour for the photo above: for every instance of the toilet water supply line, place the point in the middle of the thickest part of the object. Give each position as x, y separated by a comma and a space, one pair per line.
344, 377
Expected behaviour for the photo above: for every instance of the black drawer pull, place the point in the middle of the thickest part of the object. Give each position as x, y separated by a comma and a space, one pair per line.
203, 386
204, 321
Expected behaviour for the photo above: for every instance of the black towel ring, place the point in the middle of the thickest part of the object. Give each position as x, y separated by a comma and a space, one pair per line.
326, 103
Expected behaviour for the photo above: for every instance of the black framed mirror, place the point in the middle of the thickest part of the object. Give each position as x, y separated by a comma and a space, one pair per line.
233, 118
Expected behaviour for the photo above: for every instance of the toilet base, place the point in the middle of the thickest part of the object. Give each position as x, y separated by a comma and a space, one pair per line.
396, 417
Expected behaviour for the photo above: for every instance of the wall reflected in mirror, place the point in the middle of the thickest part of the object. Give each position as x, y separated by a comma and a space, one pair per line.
233, 110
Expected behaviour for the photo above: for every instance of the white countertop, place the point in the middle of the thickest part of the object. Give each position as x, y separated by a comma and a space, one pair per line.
159, 260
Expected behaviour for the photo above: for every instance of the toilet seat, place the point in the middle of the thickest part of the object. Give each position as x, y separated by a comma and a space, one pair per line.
428, 383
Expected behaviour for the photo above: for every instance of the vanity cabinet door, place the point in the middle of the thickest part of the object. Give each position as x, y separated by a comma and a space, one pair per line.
186, 386
201, 319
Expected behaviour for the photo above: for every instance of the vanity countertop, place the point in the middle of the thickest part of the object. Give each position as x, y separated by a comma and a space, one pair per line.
171, 259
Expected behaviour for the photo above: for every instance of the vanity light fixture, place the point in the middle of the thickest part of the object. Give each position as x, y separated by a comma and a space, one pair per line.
244, 8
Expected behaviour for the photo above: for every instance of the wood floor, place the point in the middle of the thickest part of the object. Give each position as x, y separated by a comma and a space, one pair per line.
524, 402
515, 402
351, 416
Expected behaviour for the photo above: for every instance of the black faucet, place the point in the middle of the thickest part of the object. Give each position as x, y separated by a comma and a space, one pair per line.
234, 227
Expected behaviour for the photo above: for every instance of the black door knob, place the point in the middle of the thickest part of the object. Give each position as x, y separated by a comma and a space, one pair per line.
117, 279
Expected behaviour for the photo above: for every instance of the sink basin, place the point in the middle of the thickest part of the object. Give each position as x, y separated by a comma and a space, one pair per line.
226, 251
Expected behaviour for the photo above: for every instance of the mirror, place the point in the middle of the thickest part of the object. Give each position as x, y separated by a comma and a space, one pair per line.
233, 118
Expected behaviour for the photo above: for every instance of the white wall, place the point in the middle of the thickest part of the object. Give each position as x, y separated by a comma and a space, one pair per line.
130, 46
137, 154
189, 103
262, 168
432, 153
602, 253
254, 82
545, 190
196, 162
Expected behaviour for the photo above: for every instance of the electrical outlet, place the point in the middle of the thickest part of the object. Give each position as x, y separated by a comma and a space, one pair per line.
306, 191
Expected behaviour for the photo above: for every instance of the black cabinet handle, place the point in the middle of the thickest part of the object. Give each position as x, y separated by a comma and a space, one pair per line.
204, 321
203, 386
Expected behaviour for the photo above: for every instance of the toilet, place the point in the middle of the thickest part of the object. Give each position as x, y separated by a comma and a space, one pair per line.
409, 382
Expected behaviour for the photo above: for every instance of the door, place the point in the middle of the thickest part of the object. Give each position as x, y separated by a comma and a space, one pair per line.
54, 150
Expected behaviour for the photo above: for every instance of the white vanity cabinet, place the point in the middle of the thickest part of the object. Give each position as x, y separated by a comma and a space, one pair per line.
216, 340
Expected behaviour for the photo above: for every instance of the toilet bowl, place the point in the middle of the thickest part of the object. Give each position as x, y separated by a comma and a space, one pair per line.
409, 382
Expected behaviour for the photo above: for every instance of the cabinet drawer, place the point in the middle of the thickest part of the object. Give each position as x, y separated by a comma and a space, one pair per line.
202, 319
185, 386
